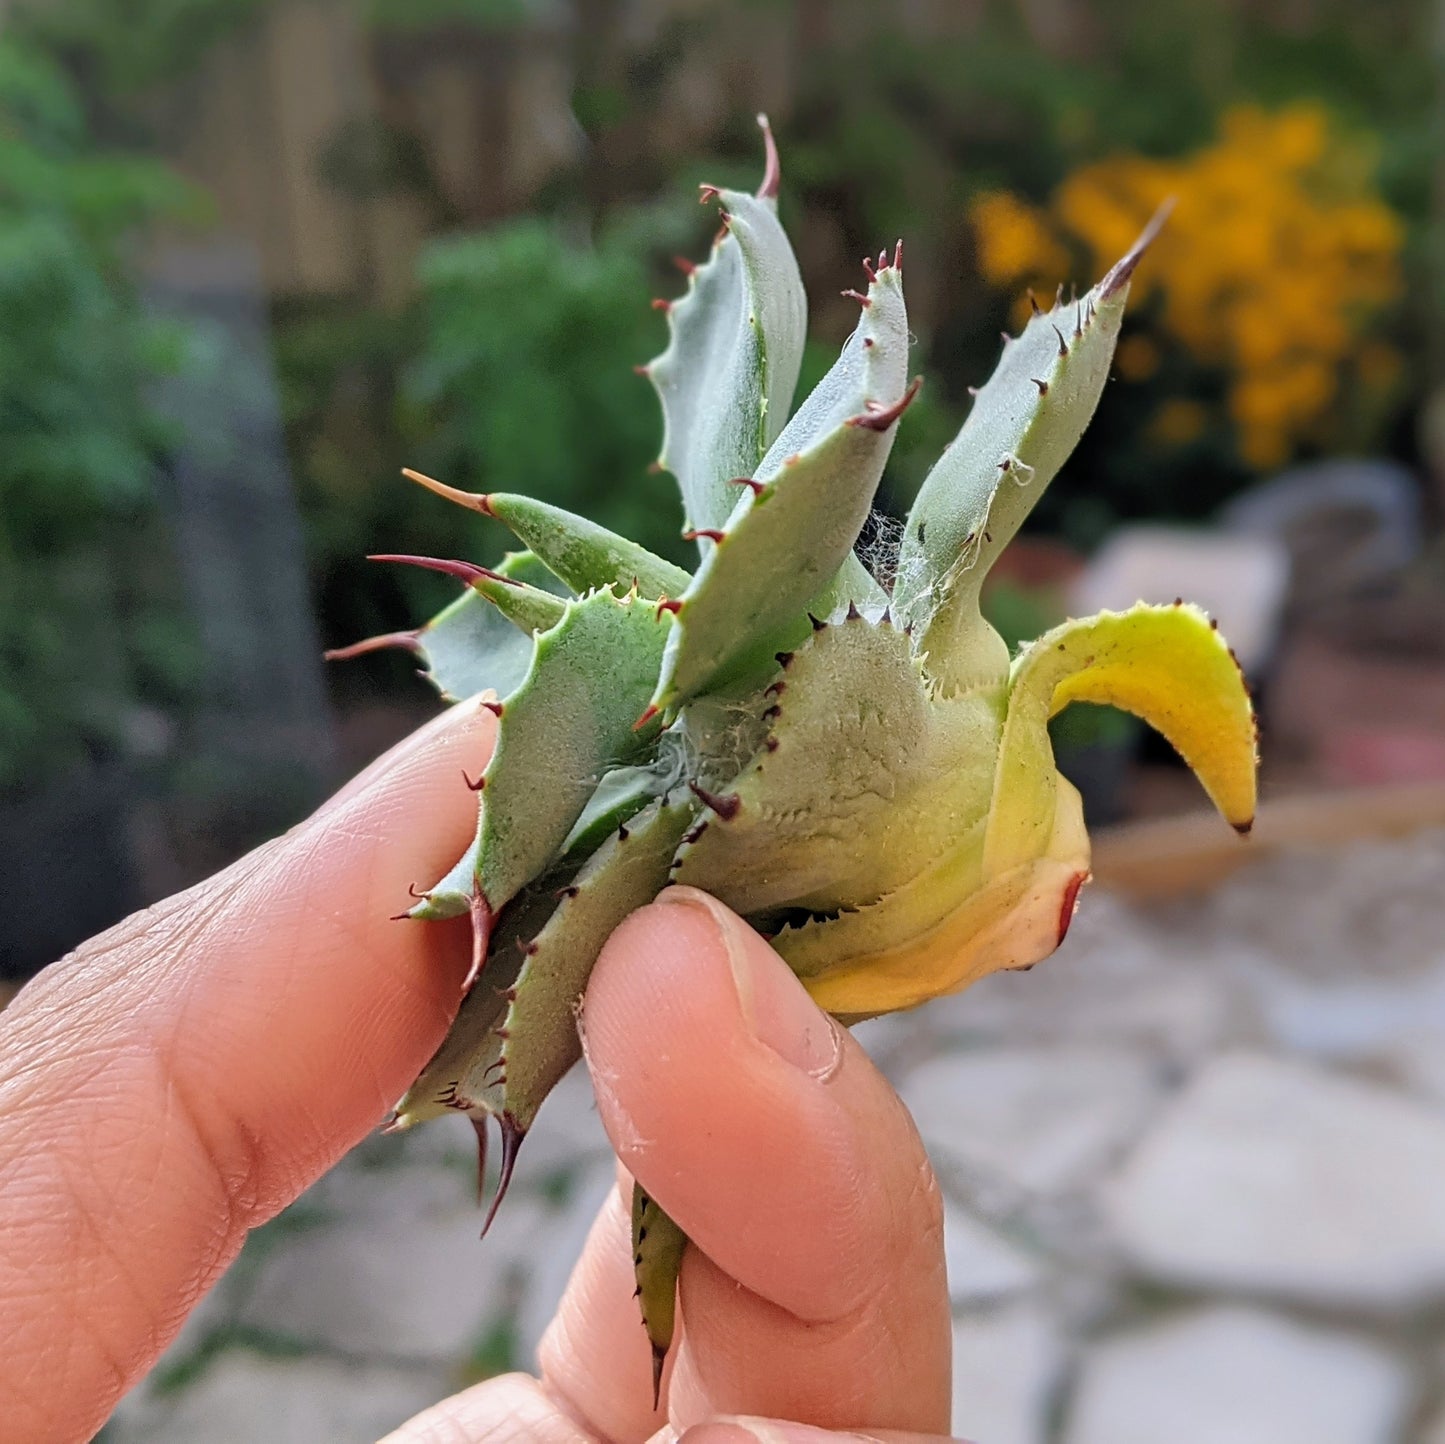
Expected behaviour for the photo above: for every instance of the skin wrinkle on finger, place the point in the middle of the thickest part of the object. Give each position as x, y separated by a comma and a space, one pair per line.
511, 1409
195, 1067
741, 1429
880, 1353
594, 1357
770, 1110
868, 1367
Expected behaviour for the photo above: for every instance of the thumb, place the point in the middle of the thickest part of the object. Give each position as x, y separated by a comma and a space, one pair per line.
741, 1429
179, 1079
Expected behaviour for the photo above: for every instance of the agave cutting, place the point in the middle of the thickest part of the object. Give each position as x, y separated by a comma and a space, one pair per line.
851, 761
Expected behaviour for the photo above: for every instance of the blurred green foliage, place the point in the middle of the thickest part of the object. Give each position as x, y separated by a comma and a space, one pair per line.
509, 367
121, 46
511, 370
524, 376
415, 15
892, 133
83, 638
889, 132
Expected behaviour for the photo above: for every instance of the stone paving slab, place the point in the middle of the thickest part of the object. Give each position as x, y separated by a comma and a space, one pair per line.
983, 1265
1189, 1110
1006, 1365
1039, 1120
1273, 1177
247, 1399
1227, 1375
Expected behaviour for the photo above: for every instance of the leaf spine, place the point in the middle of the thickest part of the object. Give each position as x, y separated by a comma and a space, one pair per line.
480, 1125
880, 418
772, 166
726, 807
480, 914
512, 1137
410, 641
467, 572
1123, 270
472, 500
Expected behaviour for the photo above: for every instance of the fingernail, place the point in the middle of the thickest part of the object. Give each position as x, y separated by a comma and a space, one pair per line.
775, 1005
761, 1431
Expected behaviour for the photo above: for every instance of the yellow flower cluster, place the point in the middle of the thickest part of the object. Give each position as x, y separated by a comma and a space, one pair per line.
1279, 253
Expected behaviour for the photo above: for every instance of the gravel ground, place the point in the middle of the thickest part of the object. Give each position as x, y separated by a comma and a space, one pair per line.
1195, 1168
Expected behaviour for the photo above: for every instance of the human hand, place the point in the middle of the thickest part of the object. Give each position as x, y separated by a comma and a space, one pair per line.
181, 1078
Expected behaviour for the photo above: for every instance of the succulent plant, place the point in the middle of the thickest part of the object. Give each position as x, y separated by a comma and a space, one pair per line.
849, 759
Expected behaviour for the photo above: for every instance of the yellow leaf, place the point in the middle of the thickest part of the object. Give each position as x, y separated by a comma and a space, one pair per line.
940, 933
1167, 665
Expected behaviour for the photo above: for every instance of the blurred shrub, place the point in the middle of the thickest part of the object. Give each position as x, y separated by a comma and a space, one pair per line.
1274, 272
511, 370
82, 641
524, 376
122, 47
427, 14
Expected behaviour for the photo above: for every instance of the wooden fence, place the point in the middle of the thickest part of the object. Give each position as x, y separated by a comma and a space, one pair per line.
292, 125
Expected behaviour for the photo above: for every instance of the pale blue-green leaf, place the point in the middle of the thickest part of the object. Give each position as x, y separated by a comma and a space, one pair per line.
864, 779
462, 1075
727, 376
540, 1026
570, 722
622, 792
786, 541
1024, 424
470, 647
584, 555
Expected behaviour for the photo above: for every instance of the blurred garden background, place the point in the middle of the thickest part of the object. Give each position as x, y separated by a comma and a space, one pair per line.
258, 255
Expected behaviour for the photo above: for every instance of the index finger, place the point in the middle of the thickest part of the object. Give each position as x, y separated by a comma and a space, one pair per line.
181, 1078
